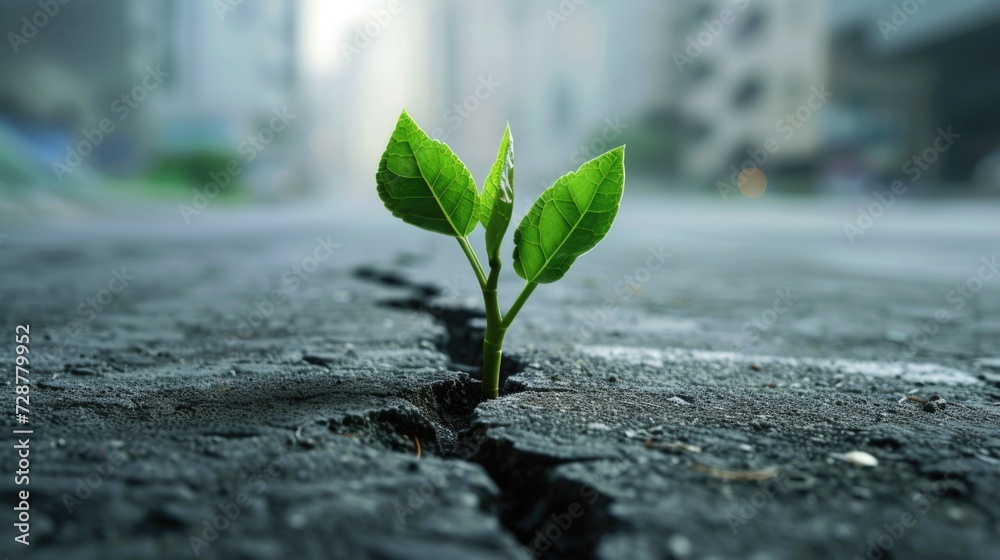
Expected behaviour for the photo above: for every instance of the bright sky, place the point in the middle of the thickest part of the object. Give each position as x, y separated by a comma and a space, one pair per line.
323, 23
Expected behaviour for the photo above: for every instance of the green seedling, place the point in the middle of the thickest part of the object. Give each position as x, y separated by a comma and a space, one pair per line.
422, 182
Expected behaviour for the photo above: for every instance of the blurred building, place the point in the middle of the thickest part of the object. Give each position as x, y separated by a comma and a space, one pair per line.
235, 66
229, 66
843, 91
177, 79
561, 73
565, 72
897, 74
575, 79
746, 76
907, 70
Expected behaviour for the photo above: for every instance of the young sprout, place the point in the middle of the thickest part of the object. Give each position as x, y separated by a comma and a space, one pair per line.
422, 182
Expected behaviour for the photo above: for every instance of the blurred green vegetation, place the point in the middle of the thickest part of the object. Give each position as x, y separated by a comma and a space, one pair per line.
177, 174
193, 168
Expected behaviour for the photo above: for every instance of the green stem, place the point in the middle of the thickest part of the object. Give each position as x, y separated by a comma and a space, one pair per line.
474, 260
519, 303
495, 331
492, 354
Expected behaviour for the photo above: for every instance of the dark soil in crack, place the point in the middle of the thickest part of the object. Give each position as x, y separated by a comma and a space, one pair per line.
553, 518
530, 500
465, 327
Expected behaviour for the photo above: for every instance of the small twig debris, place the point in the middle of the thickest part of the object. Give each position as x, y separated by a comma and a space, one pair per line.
741, 476
673, 445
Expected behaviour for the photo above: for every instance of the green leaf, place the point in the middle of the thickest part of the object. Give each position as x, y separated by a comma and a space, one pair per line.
498, 197
569, 218
422, 182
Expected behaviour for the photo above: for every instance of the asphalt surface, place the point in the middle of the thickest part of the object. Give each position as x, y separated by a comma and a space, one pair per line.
715, 380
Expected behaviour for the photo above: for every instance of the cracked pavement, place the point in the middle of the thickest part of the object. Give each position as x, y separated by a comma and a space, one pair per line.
693, 388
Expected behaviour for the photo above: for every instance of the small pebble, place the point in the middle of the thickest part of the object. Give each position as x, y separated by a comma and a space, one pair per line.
862, 492
680, 546
934, 406
297, 520
755, 367
341, 296
857, 457
678, 400
895, 336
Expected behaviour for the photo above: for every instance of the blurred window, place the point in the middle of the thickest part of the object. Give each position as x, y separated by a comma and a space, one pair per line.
696, 131
702, 71
748, 93
562, 101
750, 27
701, 12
